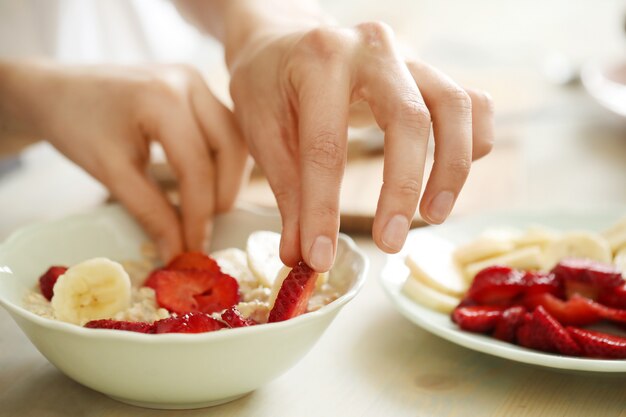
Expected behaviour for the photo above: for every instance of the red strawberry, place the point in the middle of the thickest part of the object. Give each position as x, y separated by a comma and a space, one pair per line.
233, 318
577, 310
152, 278
188, 323
293, 296
614, 297
477, 319
193, 260
496, 285
599, 345
551, 333
49, 278
586, 277
541, 282
511, 319
195, 291
130, 326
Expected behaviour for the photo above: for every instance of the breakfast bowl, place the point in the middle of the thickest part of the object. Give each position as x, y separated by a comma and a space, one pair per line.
169, 371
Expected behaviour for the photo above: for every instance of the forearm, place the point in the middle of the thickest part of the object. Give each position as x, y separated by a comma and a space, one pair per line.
236, 23
24, 85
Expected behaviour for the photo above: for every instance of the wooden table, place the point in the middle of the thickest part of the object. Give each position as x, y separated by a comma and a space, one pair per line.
555, 148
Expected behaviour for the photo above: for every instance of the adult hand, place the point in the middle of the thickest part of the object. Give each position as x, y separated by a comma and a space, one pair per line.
104, 118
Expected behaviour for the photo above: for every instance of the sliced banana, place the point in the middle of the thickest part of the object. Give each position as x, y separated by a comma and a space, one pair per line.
234, 262
616, 235
428, 297
577, 245
263, 251
431, 263
620, 260
529, 257
94, 289
481, 248
536, 236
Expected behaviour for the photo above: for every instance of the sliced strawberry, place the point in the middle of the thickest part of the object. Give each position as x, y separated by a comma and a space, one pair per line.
507, 325
131, 326
193, 260
294, 294
527, 337
195, 291
577, 310
233, 318
614, 297
599, 345
551, 333
188, 323
541, 282
152, 278
477, 319
49, 278
496, 285
586, 277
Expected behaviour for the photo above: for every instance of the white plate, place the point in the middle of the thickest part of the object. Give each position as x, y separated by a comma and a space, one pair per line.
603, 87
395, 272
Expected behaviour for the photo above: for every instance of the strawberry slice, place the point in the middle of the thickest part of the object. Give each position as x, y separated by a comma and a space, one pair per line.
577, 310
49, 278
150, 282
477, 319
541, 282
496, 285
507, 326
130, 326
195, 291
586, 277
233, 318
599, 345
294, 294
614, 297
552, 333
193, 260
188, 323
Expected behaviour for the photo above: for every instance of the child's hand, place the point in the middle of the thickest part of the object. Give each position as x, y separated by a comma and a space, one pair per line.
103, 118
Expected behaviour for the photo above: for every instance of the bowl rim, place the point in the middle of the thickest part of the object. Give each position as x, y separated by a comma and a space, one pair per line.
81, 331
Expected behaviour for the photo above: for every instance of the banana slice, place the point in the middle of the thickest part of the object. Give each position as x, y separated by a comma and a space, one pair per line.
616, 235
620, 260
429, 297
234, 262
481, 248
536, 236
264, 261
94, 289
529, 257
577, 245
431, 263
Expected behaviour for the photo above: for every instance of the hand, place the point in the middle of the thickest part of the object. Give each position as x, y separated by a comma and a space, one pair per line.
294, 91
104, 120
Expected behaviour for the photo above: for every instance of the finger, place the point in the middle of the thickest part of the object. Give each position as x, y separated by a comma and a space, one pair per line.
483, 130
145, 201
226, 144
188, 154
323, 128
451, 110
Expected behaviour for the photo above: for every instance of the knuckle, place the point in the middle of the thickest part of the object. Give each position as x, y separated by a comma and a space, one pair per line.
457, 98
413, 110
325, 152
410, 187
483, 101
324, 212
375, 33
324, 43
458, 167
482, 148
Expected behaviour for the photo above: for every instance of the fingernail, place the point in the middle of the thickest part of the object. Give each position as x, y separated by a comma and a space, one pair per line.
321, 254
394, 233
440, 207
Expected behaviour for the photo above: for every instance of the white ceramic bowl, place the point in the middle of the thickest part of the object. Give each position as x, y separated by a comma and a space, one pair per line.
168, 370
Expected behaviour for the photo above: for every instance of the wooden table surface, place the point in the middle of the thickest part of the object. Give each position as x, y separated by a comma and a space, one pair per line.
555, 148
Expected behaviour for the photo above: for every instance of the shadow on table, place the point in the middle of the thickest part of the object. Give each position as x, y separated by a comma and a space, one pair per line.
424, 372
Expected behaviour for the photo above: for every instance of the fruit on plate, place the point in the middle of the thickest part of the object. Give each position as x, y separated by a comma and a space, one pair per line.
496, 285
616, 235
482, 248
130, 326
195, 290
506, 327
431, 263
587, 277
543, 332
188, 323
584, 245
294, 294
599, 345
94, 289
48, 279
429, 297
529, 258
477, 319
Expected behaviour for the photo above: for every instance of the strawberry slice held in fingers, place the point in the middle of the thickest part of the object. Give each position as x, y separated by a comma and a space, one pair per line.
477, 319
131, 326
506, 328
233, 318
188, 323
294, 294
195, 291
496, 285
48, 279
598, 344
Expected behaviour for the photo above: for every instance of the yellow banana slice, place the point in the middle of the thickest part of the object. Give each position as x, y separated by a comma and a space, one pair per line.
577, 245
616, 235
529, 257
428, 297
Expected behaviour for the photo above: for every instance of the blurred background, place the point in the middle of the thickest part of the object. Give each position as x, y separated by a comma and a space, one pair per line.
560, 142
